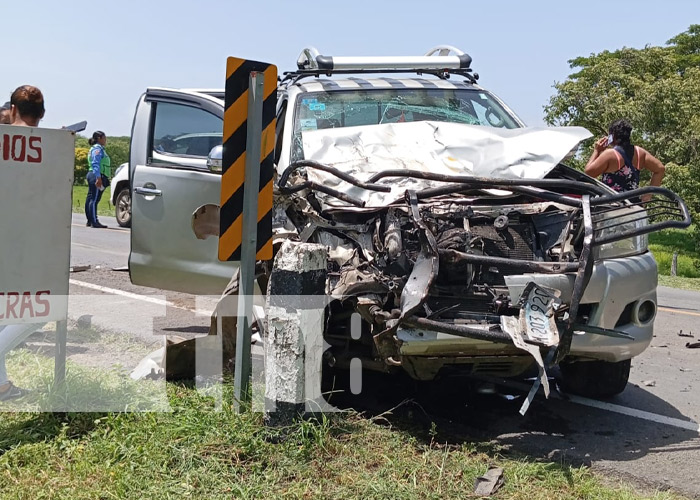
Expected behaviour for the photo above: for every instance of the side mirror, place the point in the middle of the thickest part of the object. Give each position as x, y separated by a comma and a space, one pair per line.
214, 160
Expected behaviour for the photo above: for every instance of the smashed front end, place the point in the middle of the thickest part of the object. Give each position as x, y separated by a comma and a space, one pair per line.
452, 269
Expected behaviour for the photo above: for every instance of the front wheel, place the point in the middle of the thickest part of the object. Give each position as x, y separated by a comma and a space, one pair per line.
595, 379
122, 208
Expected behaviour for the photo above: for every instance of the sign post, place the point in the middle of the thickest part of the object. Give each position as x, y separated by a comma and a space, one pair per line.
249, 241
245, 232
60, 360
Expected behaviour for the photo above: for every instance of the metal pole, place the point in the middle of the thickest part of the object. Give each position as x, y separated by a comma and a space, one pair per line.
249, 242
60, 360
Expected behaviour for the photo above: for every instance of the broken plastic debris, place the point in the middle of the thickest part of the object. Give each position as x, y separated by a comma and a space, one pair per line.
151, 366
649, 383
489, 483
681, 334
693, 345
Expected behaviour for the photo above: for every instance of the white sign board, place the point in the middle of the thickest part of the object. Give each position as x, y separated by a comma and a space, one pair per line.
36, 182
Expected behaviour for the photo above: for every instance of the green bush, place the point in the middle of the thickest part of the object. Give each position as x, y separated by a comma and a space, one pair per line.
663, 243
688, 267
81, 167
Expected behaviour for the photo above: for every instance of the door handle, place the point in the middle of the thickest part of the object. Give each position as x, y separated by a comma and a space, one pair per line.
144, 191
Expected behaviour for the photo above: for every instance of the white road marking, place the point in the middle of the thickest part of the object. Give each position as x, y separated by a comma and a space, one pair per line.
136, 296
632, 412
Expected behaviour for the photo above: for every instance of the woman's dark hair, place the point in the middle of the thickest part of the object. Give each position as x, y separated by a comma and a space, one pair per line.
29, 101
621, 130
96, 136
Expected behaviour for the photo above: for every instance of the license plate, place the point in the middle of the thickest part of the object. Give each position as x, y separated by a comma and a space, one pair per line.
538, 305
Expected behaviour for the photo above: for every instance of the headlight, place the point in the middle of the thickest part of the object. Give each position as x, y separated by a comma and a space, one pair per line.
119, 169
621, 223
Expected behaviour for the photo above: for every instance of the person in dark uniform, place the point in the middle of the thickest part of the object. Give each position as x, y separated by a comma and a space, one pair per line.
99, 171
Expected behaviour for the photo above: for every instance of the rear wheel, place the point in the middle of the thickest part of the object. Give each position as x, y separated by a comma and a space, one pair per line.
122, 208
595, 379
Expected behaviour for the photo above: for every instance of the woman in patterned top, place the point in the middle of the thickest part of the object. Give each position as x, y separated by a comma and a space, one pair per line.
621, 165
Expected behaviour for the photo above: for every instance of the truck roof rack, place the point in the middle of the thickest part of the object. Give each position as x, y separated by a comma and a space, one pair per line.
441, 61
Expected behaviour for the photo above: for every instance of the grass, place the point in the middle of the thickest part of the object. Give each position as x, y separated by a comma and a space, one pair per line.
664, 243
679, 282
104, 208
198, 452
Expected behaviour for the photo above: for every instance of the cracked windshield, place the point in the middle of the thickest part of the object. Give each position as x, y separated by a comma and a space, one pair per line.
323, 110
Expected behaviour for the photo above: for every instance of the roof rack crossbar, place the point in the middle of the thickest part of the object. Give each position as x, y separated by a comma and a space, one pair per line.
439, 59
291, 77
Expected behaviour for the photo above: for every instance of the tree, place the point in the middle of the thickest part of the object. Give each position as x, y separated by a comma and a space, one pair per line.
656, 89
81, 166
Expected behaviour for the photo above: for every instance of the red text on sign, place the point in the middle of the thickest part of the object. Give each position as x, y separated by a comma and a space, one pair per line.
24, 305
20, 148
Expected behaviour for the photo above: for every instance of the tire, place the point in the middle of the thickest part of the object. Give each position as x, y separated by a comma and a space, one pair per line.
595, 379
122, 207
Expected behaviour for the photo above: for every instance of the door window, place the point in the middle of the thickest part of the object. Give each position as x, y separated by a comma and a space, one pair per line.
182, 133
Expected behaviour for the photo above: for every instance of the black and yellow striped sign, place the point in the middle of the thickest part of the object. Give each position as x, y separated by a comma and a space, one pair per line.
234, 158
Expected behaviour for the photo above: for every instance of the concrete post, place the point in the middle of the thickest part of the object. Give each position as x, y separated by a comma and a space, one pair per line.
294, 344
674, 264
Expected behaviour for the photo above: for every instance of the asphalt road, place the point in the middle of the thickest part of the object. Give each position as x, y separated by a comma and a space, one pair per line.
649, 434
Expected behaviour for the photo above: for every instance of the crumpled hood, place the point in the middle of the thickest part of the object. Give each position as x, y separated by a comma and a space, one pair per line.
437, 147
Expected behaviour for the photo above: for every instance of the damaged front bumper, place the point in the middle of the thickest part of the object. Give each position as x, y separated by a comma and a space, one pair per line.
617, 292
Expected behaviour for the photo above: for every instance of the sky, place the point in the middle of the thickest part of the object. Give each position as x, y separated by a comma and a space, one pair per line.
92, 60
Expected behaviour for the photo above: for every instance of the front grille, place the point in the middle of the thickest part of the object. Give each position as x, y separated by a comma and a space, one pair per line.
513, 242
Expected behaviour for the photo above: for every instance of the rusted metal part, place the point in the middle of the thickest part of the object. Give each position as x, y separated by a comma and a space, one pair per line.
583, 276
470, 332
532, 266
387, 343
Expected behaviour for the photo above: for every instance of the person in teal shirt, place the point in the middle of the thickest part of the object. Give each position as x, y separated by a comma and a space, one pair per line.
99, 171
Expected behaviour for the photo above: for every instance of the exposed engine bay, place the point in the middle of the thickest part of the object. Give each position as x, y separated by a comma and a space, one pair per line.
452, 254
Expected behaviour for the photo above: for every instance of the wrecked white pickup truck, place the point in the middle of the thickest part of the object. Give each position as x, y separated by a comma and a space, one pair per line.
455, 232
